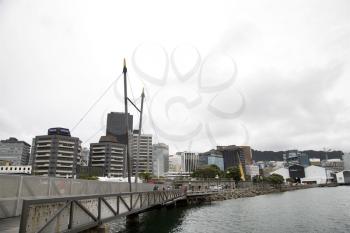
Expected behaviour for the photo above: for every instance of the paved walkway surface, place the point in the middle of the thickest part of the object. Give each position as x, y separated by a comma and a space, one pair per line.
9, 225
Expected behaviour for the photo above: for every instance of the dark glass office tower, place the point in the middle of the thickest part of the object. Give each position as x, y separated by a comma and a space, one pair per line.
116, 126
232, 156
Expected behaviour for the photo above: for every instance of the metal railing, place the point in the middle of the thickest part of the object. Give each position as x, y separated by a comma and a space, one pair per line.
78, 213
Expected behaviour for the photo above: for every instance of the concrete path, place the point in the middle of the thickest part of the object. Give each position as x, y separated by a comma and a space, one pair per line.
9, 225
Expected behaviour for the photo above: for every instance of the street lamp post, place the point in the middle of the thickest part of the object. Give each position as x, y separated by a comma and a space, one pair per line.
217, 182
228, 173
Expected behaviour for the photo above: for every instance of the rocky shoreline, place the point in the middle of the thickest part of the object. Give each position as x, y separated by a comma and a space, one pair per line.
246, 192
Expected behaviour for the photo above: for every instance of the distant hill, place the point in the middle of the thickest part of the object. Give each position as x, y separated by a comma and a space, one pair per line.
278, 155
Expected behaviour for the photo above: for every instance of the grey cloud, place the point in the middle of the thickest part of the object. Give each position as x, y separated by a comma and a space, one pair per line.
294, 110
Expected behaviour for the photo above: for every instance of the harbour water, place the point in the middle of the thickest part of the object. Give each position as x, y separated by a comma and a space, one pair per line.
308, 210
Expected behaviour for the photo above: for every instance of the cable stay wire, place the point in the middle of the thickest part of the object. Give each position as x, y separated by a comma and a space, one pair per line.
95, 103
151, 121
149, 111
94, 134
132, 93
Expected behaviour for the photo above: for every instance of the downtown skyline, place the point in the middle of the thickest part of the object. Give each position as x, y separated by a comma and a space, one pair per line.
290, 63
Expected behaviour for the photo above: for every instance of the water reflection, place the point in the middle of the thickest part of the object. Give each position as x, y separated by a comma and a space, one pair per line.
159, 220
310, 210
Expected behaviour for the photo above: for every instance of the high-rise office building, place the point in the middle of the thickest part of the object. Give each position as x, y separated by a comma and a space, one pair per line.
56, 154
15, 152
212, 157
189, 161
160, 159
247, 154
232, 155
116, 126
109, 155
145, 156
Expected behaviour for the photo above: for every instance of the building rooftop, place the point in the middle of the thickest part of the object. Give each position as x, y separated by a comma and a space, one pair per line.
108, 138
59, 131
13, 140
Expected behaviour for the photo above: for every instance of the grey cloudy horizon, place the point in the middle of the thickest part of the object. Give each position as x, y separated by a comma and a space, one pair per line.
270, 74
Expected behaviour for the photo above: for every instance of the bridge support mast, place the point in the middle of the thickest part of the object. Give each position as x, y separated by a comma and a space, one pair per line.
128, 158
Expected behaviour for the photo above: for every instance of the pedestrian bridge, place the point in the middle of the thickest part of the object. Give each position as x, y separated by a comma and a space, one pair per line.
78, 213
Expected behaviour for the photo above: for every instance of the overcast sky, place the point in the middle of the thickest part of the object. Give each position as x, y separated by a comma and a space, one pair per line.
270, 74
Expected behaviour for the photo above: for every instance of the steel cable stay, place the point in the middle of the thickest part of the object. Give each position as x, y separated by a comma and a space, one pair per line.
96, 102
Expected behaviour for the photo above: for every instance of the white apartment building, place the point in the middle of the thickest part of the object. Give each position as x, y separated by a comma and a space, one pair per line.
145, 157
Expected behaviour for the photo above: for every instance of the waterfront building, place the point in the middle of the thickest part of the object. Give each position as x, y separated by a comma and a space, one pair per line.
247, 154
315, 161
189, 161
174, 163
160, 159
261, 164
5, 163
346, 161
304, 160
109, 155
116, 126
343, 177
291, 157
315, 175
283, 172
212, 157
56, 154
145, 157
177, 175
236, 156
14, 151
252, 170
296, 172
335, 165
17, 170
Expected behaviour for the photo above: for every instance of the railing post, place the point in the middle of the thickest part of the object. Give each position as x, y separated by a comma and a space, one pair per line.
99, 210
24, 217
71, 214
70, 186
140, 200
49, 186
19, 194
118, 204
130, 201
